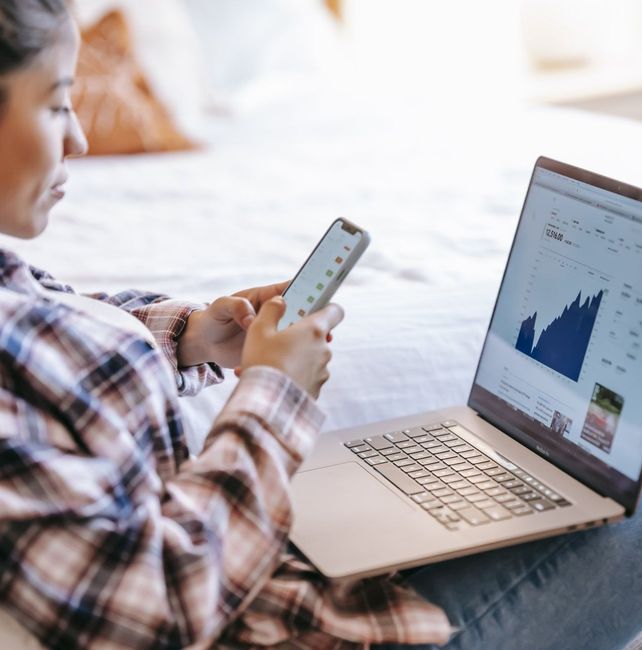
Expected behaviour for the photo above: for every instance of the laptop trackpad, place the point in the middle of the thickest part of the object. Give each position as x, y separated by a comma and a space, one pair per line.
345, 519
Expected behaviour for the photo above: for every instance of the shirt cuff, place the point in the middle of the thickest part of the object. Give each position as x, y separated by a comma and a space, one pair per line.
166, 320
277, 404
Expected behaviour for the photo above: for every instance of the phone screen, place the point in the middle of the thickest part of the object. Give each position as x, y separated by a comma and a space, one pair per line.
323, 265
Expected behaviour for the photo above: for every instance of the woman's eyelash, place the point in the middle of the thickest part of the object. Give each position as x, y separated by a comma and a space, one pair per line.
62, 109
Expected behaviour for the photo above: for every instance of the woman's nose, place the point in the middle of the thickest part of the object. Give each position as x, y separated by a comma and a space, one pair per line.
75, 140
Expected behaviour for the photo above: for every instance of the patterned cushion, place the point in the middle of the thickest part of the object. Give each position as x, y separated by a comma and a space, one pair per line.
114, 101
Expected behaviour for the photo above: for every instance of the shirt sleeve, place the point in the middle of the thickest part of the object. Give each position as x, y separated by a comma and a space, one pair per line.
165, 318
96, 551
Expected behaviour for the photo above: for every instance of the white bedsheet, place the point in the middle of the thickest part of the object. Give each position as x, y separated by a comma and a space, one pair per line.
439, 192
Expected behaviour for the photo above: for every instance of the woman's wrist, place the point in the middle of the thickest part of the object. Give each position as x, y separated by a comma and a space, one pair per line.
190, 350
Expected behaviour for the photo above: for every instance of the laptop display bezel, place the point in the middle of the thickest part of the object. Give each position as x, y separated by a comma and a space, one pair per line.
584, 467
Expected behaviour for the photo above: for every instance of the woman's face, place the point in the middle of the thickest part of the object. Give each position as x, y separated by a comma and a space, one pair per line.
38, 131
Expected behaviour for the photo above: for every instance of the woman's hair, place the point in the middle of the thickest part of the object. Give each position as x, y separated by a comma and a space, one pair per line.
27, 27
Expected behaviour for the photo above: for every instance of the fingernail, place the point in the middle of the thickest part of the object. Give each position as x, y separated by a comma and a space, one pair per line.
247, 321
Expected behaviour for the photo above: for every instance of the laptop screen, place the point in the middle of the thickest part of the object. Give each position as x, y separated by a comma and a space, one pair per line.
561, 367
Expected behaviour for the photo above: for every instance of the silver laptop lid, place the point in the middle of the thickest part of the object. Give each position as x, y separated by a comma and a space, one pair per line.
561, 366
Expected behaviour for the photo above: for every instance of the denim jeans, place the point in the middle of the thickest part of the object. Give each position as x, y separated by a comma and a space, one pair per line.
581, 591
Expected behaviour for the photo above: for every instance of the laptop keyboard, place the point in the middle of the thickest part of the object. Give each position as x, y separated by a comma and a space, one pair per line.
451, 479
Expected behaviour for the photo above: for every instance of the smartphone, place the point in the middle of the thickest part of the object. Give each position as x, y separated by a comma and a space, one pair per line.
323, 272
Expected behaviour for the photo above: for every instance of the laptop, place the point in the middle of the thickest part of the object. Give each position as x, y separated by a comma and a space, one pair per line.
551, 438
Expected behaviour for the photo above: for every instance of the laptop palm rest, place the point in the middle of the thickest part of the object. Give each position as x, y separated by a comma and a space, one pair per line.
376, 524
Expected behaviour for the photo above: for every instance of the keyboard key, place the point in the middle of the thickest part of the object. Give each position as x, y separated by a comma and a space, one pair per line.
353, 443
462, 446
444, 492
431, 427
413, 450
420, 473
514, 483
478, 460
453, 478
417, 432
497, 513
477, 479
494, 472
452, 443
412, 468
506, 498
542, 505
396, 437
445, 517
504, 477
462, 467
486, 485
449, 423
455, 460
433, 444
432, 505
449, 499
379, 442
524, 489
476, 497
514, 505
403, 444
441, 449
439, 433
402, 461
470, 454
487, 466
460, 485
471, 472
376, 461
473, 516
563, 503
447, 438
391, 451
429, 481
530, 496
468, 491
522, 510
431, 487
394, 457
419, 455
422, 497
422, 439
497, 492
368, 454
360, 448
443, 456
458, 505
443, 472
483, 504
399, 478
432, 464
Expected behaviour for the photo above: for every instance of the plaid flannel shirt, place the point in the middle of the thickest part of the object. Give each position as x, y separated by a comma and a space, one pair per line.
113, 536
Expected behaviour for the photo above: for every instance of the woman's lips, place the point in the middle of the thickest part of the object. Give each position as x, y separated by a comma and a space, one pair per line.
58, 192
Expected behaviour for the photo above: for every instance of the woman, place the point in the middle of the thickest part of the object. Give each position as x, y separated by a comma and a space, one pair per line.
110, 534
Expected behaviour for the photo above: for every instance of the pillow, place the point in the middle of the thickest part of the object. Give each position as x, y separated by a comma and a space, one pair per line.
249, 41
113, 100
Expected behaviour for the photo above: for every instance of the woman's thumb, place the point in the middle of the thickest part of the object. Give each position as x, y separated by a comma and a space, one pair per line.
271, 312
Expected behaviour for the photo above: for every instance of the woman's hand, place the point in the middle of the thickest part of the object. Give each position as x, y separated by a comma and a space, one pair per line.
217, 333
301, 351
